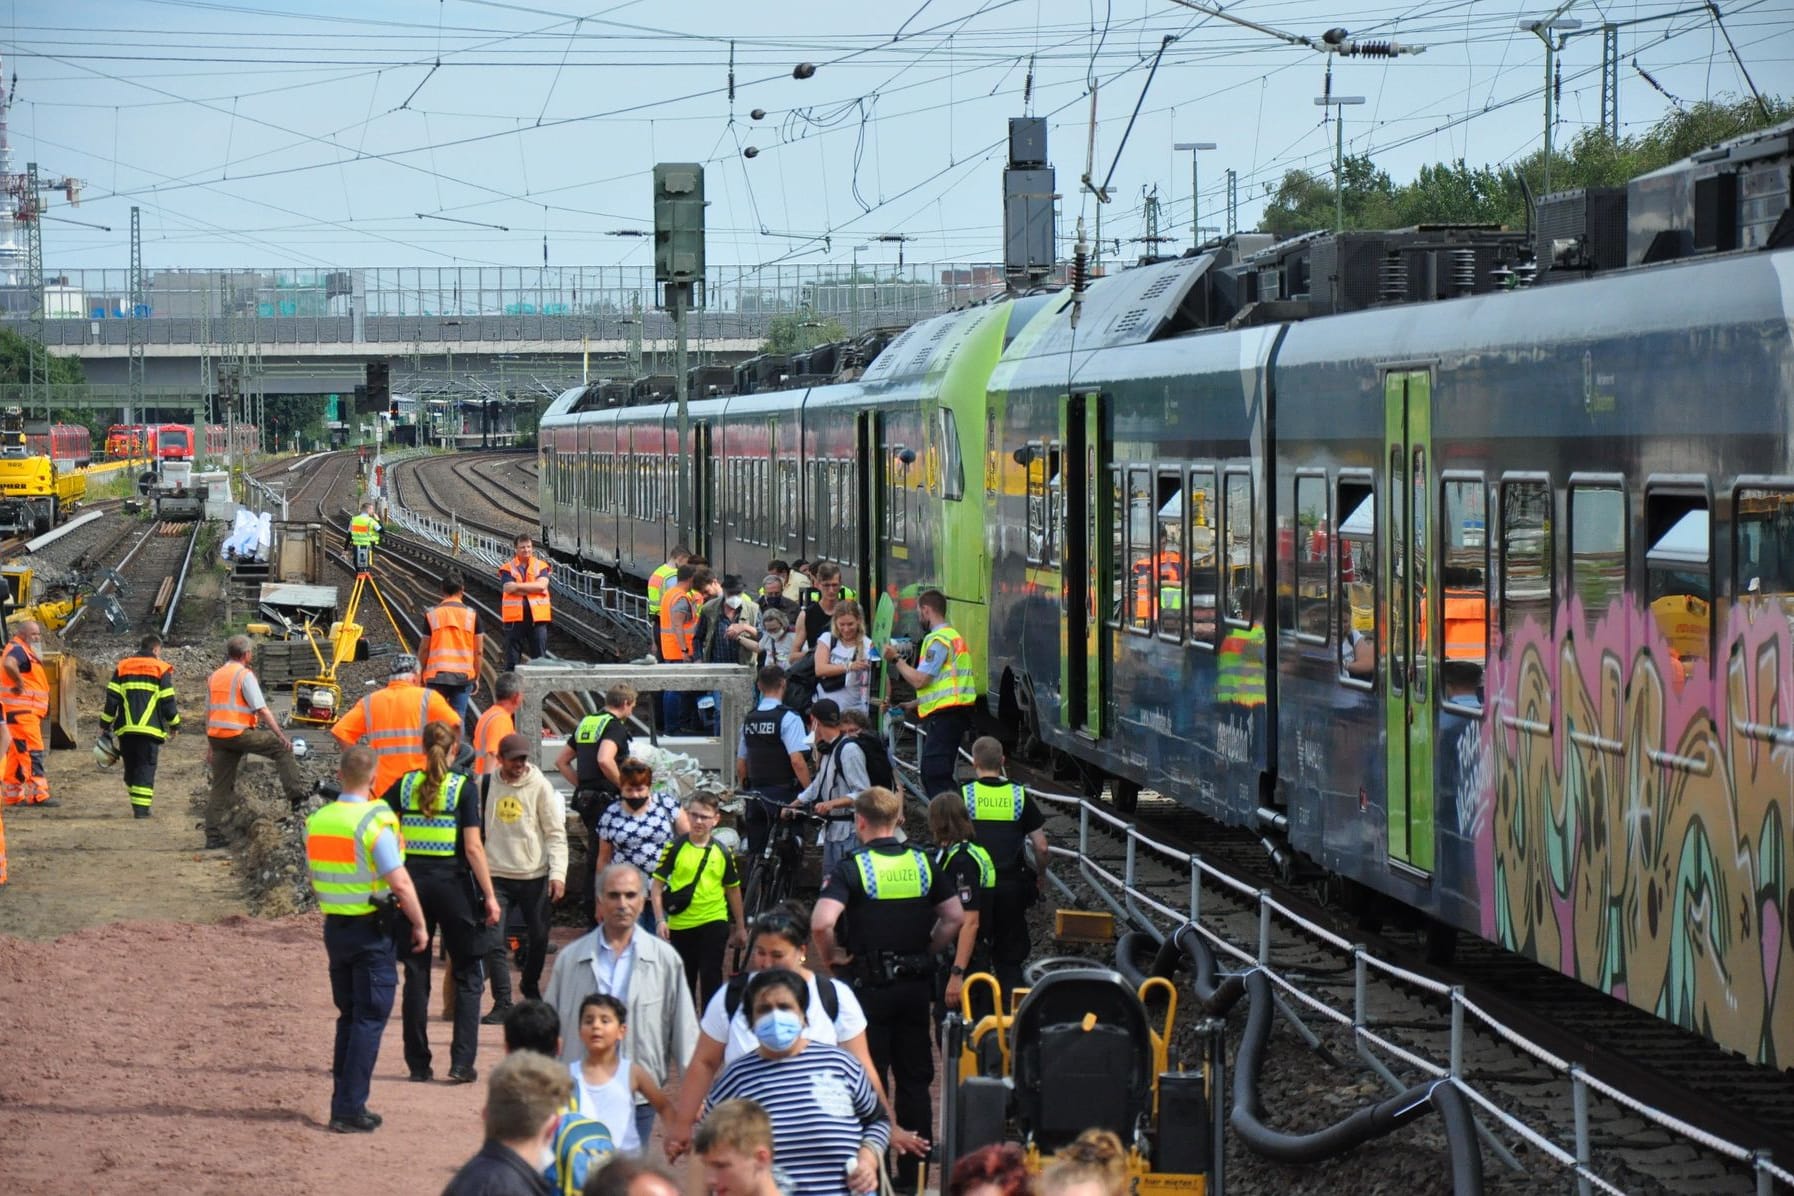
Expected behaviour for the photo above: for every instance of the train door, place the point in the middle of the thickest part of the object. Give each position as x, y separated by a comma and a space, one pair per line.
1082, 493
1409, 702
869, 443
703, 489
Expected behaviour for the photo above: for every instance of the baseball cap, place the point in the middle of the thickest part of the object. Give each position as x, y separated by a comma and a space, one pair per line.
512, 746
826, 711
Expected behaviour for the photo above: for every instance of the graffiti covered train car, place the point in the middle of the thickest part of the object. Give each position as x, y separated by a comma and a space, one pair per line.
1479, 597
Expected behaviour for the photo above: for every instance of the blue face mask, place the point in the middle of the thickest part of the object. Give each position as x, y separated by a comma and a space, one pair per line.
779, 1029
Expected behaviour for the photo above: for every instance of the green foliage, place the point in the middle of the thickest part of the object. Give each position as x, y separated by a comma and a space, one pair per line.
1456, 193
797, 331
15, 361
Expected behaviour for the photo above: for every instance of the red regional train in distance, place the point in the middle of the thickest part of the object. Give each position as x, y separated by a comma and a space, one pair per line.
69, 443
175, 442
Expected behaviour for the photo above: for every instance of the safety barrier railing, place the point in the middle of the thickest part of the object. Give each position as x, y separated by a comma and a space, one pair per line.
1134, 905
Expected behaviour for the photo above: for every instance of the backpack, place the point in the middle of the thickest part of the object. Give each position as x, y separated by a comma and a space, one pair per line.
878, 760
825, 991
800, 685
582, 1146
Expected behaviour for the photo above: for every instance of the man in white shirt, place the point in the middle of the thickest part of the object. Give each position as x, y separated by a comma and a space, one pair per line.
637, 968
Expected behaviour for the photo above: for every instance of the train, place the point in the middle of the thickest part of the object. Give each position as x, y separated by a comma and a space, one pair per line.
175, 442
66, 444
1456, 563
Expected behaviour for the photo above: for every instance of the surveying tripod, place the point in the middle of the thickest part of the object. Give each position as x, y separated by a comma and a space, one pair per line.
318, 700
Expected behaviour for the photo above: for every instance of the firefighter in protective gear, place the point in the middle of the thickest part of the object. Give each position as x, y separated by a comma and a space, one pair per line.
525, 607
902, 912
5, 749
392, 722
25, 698
946, 690
452, 649
140, 712
364, 533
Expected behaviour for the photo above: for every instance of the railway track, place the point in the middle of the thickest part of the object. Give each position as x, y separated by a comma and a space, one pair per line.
151, 577
475, 490
1651, 1061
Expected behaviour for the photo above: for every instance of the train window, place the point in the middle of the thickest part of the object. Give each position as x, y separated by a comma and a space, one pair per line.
953, 471
1140, 532
1239, 568
1035, 479
1168, 563
788, 510
814, 508
1055, 532
1355, 565
1464, 569
1313, 540
1202, 572
1118, 572
1597, 549
1679, 572
899, 496
1763, 562
1528, 572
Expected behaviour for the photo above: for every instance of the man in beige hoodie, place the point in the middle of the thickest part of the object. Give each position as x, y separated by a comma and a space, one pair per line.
526, 848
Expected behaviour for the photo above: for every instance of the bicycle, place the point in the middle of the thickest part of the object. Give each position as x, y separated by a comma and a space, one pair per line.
772, 873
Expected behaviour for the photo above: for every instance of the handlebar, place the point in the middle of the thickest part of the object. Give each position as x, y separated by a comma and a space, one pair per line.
796, 810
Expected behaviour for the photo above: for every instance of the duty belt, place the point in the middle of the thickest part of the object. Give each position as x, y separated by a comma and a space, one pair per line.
892, 967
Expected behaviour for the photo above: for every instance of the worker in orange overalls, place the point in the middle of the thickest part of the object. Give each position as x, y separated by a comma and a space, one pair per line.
525, 607
675, 713
498, 721
392, 721
452, 650
26, 702
5, 748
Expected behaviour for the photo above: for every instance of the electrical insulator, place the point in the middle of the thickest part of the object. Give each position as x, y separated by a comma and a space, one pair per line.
1080, 273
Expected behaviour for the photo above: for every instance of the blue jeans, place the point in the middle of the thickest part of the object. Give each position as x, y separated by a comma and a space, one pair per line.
644, 1125
456, 696
363, 978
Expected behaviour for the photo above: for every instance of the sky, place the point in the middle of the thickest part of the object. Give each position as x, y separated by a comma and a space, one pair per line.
301, 134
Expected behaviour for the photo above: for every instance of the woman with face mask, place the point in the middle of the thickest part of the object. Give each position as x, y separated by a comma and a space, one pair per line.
778, 940
637, 827
829, 1131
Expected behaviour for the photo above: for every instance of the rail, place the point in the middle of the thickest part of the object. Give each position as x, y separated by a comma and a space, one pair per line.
1134, 905
180, 581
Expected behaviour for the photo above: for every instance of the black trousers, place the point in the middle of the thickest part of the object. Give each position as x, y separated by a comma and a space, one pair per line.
447, 897
1007, 929
530, 897
942, 732
900, 1037
138, 754
525, 639
701, 949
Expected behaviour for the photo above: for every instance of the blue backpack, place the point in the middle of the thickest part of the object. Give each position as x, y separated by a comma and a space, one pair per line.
581, 1147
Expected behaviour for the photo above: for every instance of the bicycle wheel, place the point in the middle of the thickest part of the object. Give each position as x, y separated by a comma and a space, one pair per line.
756, 899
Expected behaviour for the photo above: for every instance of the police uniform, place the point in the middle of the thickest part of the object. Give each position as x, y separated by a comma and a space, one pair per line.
436, 858
364, 533
969, 872
351, 846
594, 790
140, 712
890, 891
1003, 816
769, 736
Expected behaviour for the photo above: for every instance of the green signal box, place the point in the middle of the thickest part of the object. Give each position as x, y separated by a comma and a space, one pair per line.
679, 227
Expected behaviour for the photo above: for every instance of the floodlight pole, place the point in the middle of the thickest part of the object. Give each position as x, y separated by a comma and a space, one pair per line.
1337, 106
1543, 30
1195, 148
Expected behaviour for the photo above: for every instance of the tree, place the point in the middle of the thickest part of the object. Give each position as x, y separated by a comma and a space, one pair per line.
15, 362
797, 331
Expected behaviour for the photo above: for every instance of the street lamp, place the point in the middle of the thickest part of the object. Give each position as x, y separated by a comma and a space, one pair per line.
1329, 100
1195, 148
1543, 29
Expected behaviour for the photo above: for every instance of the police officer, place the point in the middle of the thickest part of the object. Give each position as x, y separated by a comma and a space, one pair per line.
1004, 817
364, 533
525, 607
453, 647
770, 760
589, 762
439, 813
946, 690
969, 871
392, 720
902, 911
357, 864
140, 712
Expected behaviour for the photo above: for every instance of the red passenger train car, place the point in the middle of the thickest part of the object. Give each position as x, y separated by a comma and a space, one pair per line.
63, 443
219, 437
124, 440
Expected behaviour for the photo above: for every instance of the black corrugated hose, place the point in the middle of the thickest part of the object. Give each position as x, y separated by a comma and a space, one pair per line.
1219, 995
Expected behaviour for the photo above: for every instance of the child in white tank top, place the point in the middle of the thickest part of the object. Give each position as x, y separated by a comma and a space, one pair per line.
605, 1082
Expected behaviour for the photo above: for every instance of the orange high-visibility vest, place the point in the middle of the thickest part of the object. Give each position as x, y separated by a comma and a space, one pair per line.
392, 721
454, 638
26, 710
227, 709
512, 607
494, 725
1466, 625
671, 646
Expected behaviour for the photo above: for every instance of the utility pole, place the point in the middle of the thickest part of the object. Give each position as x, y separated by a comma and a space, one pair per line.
1610, 80
1233, 201
139, 302
1153, 238
1335, 106
679, 267
1545, 30
1195, 148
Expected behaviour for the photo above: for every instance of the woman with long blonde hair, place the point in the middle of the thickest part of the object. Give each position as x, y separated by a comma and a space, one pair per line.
1092, 1164
439, 816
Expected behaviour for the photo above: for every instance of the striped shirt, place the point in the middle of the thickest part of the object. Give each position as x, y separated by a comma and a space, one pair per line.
822, 1108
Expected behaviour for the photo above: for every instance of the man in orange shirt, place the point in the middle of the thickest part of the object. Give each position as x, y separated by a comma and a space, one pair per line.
234, 705
26, 702
525, 608
392, 721
498, 721
452, 649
